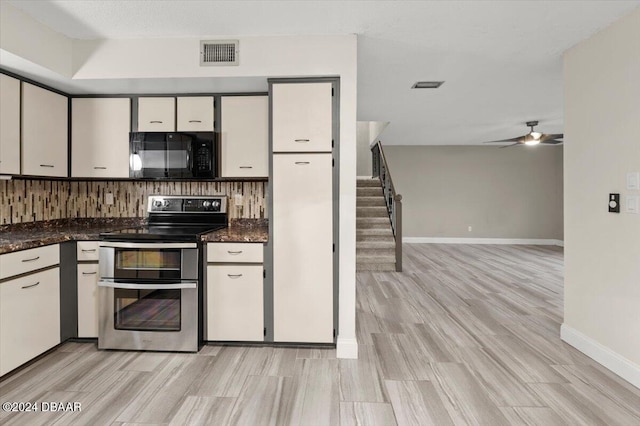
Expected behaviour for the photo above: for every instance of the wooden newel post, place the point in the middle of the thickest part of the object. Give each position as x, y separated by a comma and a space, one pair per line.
398, 210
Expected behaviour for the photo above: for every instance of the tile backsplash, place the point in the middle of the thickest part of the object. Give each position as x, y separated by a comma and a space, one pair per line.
31, 200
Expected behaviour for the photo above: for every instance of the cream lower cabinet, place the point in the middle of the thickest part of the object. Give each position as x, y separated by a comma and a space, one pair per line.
302, 248
88, 300
9, 125
44, 132
245, 136
29, 317
100, 137
235, 295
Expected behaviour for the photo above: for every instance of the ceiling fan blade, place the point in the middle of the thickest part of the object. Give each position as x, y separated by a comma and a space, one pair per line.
551, 141
513, 144
545, 136
519, 139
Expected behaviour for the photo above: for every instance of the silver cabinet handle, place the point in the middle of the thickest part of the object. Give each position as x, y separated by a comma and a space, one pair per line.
88, 250
100, 168
302, 140
234, 252
156, 121
246, 167
302, 163
195, 121
31, 260
88, 273
234, 275
46, 165
31, 285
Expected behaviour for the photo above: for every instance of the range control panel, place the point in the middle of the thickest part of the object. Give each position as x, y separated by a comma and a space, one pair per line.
187, 204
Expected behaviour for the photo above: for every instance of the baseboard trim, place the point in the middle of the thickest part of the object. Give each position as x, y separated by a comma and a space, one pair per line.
445, 240
347, 348
618, 364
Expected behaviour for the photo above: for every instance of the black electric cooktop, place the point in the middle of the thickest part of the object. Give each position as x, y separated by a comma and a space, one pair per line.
162, 233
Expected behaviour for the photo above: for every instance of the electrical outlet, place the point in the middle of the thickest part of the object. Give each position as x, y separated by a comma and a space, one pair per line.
470, 228
238, 199
614, 203
108, 198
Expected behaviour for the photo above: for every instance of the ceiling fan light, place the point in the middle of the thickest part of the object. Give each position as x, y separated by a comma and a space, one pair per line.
532, 142
535, 135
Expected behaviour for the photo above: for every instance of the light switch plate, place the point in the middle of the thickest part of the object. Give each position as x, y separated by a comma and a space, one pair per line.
108, 198
633, 180
632, 204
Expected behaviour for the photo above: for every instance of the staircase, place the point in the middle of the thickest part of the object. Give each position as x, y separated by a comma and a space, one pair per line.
375, 244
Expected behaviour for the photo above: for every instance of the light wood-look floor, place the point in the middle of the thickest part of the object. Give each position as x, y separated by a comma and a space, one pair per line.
468, 334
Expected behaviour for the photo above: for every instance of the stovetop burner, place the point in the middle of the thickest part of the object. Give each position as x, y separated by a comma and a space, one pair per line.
176, 218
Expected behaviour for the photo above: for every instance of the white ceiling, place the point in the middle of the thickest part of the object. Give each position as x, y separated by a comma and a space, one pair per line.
501, 60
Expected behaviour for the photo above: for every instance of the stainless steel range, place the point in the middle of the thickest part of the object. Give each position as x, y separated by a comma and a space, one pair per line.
150, 287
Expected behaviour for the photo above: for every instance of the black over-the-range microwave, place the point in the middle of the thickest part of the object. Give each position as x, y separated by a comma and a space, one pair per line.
172, 155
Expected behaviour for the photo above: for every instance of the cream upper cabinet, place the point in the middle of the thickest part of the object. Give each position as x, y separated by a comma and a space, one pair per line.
100, 137
195, 114
44, 132
245, 136
302, 116
156, 114
9, 125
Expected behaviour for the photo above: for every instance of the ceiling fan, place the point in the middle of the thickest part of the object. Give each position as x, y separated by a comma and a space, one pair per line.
532, 138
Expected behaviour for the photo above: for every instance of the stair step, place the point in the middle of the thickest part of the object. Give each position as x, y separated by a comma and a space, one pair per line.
369, 192
386, 237
389, 258
370, 201
388, 243
376, 267
372, 222
372, 211
368, 183
375, 252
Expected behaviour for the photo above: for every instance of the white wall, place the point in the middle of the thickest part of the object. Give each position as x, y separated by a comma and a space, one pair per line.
23, 36
602, 144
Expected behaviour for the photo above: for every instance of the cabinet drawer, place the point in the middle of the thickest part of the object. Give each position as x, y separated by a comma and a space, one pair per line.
29, 317
235, 252
235, 303
20, 262
88, 250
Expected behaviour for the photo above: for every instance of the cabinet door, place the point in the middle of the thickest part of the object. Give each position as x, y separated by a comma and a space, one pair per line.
44, 132
156, 114
302, 248
9, 125
29, 317
195, 114
245, 136
235, 303
88, 300
302, 117
100, 137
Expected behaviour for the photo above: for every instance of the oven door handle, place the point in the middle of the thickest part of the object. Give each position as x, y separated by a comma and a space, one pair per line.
113, 244
135, 286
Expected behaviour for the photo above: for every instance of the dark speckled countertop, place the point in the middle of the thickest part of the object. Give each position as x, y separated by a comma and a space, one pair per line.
35, 234
241, 231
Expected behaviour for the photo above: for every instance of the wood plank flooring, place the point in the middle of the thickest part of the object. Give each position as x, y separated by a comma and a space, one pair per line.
467, 335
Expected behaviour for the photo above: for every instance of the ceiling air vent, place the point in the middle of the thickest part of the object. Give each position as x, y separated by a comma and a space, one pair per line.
219, 52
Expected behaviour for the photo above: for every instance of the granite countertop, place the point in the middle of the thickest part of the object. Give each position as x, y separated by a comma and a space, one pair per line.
240, 231
36, 234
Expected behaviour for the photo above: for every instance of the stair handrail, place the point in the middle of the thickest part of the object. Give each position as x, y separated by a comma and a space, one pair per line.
392, 199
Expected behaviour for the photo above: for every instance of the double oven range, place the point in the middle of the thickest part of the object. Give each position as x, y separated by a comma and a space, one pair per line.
151, 287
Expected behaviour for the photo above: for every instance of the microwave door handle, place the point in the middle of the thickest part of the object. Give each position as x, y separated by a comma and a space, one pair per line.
190, 157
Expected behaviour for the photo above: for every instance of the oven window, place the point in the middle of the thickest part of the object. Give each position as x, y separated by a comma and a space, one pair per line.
147, 310
148, 263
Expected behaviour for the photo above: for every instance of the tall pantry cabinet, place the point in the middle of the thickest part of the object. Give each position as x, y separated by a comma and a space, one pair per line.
302, 215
